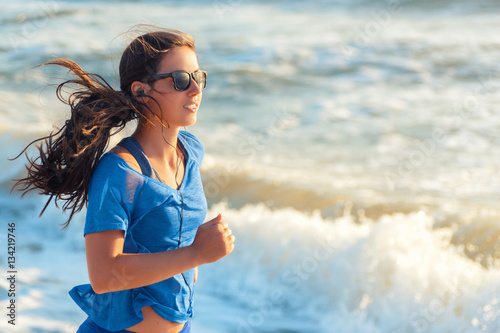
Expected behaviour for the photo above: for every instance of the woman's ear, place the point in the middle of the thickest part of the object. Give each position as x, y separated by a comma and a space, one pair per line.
138, 89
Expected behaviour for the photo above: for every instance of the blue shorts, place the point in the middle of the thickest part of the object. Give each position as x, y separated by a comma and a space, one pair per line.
89, 326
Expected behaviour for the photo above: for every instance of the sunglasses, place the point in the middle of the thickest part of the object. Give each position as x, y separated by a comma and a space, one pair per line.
182, 79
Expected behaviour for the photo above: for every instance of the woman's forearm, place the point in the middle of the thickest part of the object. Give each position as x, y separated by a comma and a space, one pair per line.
134, 270
112, 270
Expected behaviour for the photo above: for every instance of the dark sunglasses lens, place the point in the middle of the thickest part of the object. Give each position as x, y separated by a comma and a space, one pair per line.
181, 80
201, 79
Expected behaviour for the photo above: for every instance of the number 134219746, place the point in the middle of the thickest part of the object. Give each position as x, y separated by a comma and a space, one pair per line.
11, 272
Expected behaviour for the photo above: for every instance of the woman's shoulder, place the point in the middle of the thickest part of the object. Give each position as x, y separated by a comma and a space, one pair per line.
125, 155
193, 145
115, 170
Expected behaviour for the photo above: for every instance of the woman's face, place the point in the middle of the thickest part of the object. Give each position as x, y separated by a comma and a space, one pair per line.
178, 108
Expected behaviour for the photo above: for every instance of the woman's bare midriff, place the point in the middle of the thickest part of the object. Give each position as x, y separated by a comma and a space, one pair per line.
153, 323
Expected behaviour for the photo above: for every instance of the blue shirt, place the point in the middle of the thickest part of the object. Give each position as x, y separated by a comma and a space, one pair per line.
148, 212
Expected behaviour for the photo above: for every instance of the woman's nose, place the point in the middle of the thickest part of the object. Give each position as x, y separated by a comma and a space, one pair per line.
194, 88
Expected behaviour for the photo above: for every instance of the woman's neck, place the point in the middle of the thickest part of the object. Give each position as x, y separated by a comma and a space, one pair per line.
158, 143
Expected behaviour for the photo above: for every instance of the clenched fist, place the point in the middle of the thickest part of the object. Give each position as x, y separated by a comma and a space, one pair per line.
213, 241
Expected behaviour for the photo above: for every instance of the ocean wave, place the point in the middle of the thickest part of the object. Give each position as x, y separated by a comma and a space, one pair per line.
397, 274
290, 271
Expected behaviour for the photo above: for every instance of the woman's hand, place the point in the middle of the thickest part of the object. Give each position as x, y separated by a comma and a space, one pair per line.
213, 241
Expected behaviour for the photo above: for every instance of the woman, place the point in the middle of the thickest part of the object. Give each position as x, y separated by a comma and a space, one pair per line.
144, 236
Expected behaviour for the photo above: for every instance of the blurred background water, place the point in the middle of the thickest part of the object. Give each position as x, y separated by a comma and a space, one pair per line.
352, 146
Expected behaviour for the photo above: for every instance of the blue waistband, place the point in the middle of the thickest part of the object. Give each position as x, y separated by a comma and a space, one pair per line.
89, 326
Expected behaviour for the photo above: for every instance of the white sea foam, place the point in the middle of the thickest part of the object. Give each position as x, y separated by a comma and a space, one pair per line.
395, 274
289, 271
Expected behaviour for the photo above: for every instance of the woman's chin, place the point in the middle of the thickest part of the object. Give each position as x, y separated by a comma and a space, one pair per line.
191, 121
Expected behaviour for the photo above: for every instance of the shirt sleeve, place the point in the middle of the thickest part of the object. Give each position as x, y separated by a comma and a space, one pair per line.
194, 147
111, 197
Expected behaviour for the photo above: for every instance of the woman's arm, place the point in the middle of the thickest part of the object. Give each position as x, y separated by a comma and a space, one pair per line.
112, 270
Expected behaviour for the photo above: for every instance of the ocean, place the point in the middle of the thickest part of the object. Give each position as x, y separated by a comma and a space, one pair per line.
352, 146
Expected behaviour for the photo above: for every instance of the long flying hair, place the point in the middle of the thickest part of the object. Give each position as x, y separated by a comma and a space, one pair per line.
67, 158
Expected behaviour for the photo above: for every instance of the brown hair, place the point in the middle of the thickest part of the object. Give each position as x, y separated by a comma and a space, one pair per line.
68, 157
